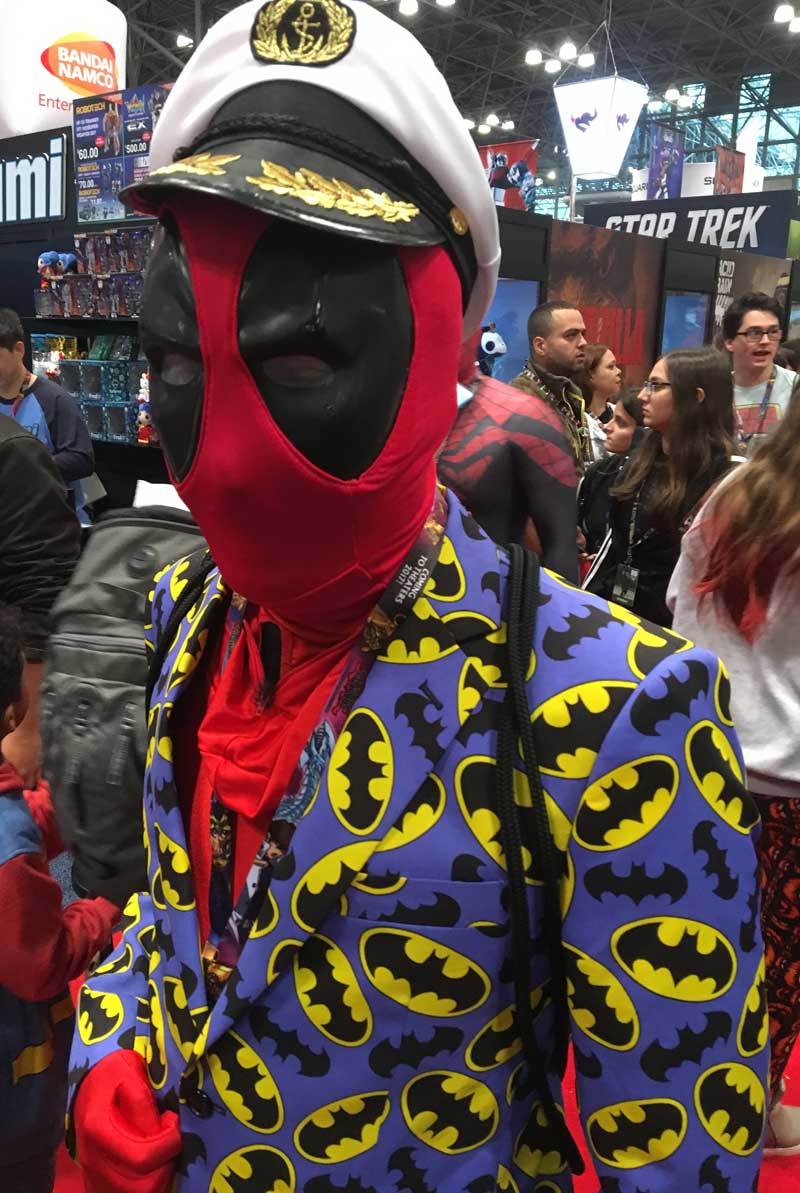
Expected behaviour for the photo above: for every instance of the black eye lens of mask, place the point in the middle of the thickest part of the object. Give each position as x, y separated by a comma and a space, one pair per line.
296, 370
176, 369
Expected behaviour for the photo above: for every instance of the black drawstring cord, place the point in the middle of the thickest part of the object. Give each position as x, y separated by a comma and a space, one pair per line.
516, 718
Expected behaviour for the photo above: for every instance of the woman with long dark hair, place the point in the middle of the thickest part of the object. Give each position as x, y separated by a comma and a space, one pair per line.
736, 591
623, 434
688, 408
600, 380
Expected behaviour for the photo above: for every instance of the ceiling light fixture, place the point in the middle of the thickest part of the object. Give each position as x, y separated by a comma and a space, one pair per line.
552, 175
493, 120
685, 101
784, 13
182, 41
507, 126
469, 123
445, 3
672, 95
552, 66
586, 59
483, 129
533, 58
568, 51
408, 8
794, 25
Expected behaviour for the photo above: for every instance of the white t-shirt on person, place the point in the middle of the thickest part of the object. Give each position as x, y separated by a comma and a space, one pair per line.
749, 399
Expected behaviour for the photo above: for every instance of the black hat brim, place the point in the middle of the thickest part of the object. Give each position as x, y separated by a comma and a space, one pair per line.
291, 182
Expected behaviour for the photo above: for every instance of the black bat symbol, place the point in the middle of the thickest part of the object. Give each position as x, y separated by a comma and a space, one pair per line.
749, 929
415, 630
659, 1060
77, 1074
412, 1049
637, 885
612, 1184
426, 733
559, 644
157, 608
127, 1040
192, 1150
471, 528
689, 680
587, 1064
490, 582
413, 1179
288, 1043
444, 912
466, 868
166, 795
615, 1136
585, 729
233, 1072
483, 1184
711, 1175
283, 870
483, 720
324, 1184
704, 841
189, 980
681, 960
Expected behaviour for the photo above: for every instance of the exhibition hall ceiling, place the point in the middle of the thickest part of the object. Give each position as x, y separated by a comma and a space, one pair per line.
480, 45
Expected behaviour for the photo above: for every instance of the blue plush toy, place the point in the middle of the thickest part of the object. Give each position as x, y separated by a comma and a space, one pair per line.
55, 265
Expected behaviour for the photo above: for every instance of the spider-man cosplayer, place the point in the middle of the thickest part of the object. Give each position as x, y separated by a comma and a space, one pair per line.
318, 991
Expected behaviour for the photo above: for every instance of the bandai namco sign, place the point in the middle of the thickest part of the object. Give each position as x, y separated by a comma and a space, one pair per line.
64, 50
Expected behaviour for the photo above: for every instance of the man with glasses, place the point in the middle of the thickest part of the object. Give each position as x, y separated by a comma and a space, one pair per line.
753, 329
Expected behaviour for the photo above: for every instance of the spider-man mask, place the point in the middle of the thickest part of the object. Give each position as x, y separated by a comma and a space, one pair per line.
301, 383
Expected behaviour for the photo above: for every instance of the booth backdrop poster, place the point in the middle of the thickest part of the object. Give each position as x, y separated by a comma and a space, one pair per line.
112, 148
747, 223
511, 170
615, 282
53, 52
729, 176
698, 179
739, 273
666, 163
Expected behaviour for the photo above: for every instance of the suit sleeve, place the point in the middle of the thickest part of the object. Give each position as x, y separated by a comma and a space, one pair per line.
662, 943
112, 1005
73, 454
39, 537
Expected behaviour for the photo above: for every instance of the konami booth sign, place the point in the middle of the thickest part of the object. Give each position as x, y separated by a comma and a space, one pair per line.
61, 51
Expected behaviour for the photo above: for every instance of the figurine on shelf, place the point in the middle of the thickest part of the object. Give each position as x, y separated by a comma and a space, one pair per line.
147, 434
55, 265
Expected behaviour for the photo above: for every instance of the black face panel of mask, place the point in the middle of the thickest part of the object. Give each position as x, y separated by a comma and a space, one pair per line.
325, 328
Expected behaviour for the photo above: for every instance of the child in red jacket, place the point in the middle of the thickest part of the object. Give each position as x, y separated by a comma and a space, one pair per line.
42, 948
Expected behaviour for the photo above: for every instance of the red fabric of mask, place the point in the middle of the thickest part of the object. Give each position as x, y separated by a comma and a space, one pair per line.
314, 551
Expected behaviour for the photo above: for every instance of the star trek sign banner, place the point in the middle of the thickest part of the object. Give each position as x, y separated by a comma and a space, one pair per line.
748, 223
598, 117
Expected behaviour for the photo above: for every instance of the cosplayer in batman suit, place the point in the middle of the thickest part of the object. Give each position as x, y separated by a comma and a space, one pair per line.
354, 1027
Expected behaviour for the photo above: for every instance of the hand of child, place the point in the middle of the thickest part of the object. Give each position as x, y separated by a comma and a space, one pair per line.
124, 1144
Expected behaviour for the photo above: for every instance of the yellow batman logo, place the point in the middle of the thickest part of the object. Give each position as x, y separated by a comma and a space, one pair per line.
754, 1022
155, 1050
447, 584
267, 918
722, 696
280, 960
422, 638
572, 726
121, 961
507, 1184
419, 817
427, 977
254, 1167
534, 1153
450, 1112
731, 1102
676, 958
475, 680
329, 993
319, 889
343, 1129
718, 776
180, 1019
625, 805
635, 1134
650, 646
599, 1003
99, 1015
379, 884
499, 1041
361, 773
176, 872
245, 1084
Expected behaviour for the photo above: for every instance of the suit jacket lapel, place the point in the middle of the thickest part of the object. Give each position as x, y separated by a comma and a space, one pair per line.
418, 695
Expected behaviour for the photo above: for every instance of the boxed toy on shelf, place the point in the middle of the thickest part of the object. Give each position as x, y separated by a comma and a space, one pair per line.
108, 279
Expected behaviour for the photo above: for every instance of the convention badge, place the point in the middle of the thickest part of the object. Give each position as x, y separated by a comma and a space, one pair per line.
625, 585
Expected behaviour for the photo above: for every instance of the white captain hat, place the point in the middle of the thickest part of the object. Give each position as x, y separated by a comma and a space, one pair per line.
327, 112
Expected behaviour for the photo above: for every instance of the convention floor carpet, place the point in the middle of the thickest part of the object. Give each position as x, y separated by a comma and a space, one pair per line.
778, 1176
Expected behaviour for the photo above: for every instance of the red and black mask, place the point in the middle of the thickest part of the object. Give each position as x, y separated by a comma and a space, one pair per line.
301, 383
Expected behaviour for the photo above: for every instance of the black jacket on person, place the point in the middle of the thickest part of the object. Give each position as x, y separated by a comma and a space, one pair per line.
656, 548
40, 536
594, 502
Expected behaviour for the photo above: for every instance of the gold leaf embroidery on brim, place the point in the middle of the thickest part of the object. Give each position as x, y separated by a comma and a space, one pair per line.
271, 45
204, 164
330, 193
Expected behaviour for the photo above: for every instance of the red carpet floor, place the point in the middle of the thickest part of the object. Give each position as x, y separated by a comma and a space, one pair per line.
778, 1176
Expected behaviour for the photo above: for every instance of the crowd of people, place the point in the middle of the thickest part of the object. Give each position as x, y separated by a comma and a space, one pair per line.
417, 811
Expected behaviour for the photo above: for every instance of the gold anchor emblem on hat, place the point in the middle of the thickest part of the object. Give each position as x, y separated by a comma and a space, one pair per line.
303, 32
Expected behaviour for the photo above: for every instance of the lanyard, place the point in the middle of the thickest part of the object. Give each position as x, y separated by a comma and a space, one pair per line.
232, 923
765, 401
27, 385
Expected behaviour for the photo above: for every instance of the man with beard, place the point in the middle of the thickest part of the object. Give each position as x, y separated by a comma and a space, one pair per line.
348, 970
557, 336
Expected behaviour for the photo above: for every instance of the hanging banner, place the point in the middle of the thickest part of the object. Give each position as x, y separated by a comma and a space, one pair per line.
639, 181
729, 176
748, 223
698, 179
611, 279
666, 163
511, 172
598, 117
112, 148
55, 52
